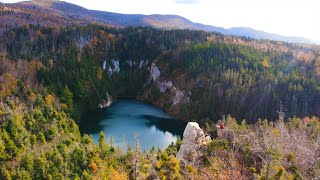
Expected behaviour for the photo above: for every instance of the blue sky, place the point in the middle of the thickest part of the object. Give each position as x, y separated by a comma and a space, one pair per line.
285, 17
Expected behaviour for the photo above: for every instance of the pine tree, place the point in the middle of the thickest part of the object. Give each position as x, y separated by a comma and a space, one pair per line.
67, 96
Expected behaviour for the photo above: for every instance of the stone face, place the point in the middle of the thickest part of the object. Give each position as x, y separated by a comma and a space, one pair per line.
116, 65
106, 102
139, 64
165, 85
110, 71
129, 62
194, 143
104, 66
143, 63
155, 72
178, 96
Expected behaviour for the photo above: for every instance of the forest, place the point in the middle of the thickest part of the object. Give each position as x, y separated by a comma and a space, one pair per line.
50, 76
243, 77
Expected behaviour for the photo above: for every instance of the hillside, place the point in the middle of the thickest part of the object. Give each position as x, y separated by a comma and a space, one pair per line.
50, 76
191, 74
60, 13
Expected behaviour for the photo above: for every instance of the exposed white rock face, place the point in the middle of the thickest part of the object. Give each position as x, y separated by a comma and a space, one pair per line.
116, 67
104, 66
165, 85
110, 70
129, 63
143, 63
140, 64
193, 145
178, 96
154, 71
109, 99
106, 102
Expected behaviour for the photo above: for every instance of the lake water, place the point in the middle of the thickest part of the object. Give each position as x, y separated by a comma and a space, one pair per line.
127, 120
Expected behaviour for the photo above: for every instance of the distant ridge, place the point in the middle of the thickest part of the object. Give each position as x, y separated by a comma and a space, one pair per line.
60, 13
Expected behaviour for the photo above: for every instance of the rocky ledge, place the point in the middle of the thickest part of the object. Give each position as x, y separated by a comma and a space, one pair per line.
194, 144
105, 102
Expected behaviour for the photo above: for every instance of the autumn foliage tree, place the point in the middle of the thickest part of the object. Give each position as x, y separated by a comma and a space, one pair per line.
8, 85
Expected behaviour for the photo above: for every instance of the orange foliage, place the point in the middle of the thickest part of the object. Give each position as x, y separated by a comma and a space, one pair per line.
112, 39
38, 33
49, 100
222, 169
95, 41
32, 97
93, 166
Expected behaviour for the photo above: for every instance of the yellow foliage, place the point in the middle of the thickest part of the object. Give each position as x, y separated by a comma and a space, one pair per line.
8, 84
276, 133
170, 169
115, 175
64, 106
191, 172
99, 73
49, 100
220, 168
266, 63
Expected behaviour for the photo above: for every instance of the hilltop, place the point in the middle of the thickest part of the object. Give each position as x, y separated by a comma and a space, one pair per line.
60, 13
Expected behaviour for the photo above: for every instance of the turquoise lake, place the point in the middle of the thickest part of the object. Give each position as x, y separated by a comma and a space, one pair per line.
127, 120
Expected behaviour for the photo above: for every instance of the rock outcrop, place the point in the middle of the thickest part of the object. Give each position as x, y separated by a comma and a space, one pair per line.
178, 96
137, 64
164, 86
154, 71
104, 66
116, 67
194, 144
106, 102
143, 63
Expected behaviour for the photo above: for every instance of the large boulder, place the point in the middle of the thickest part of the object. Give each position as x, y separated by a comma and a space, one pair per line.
193, 145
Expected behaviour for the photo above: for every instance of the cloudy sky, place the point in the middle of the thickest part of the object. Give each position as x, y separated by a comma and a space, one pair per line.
285, 17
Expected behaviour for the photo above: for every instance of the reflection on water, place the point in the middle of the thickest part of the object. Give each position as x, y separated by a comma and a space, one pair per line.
174, 126
126, 119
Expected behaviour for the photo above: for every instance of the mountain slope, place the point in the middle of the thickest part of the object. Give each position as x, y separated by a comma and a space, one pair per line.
256, 34
60, 13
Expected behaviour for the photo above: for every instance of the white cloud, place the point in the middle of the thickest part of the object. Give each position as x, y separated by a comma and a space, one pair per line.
187, 1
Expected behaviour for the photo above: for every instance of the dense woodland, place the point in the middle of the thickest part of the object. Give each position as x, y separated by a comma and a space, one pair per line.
50, 76
237, 76
249, 83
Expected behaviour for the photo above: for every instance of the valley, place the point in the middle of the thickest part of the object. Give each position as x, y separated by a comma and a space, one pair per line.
205, 102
